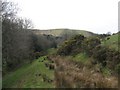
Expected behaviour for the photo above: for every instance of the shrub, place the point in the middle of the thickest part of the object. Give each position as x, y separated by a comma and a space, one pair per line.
100, 54
89, 44
69, 46
112, 58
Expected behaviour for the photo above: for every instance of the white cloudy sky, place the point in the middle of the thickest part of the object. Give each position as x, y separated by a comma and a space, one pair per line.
99, 16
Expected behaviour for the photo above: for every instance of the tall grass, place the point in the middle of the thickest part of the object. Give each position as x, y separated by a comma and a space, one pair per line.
69, 75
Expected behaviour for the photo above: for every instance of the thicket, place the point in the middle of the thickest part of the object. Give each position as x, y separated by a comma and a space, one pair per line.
41, 43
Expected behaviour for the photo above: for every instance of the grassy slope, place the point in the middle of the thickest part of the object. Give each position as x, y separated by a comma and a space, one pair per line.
58, 32
25, 76
112, 42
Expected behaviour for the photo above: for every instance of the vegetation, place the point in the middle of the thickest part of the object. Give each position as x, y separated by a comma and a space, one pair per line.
62, 32
93, 48
58, 58
17, 41
71, 45
112, 41
70, 74
20, 45
81, 57
30, 76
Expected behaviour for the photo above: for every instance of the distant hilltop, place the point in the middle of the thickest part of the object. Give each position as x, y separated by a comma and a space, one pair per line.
62, 31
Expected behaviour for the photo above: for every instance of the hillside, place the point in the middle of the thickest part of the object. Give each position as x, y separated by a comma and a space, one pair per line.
69, 72
60, 32
55, 58
112, 41
78, 63
32, 75
84, 62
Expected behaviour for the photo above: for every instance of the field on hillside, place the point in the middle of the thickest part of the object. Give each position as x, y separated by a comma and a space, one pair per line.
112, 41
59, 32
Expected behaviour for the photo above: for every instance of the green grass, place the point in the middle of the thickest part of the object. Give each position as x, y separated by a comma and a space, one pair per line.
112, 42
81, 57
25, 77
51, 51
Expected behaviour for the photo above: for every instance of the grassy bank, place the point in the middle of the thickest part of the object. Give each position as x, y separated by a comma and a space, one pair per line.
29, 76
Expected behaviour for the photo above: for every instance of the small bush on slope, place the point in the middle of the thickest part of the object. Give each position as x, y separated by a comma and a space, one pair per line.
70, 45
89, 44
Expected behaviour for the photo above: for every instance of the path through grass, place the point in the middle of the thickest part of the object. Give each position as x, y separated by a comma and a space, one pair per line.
28, 76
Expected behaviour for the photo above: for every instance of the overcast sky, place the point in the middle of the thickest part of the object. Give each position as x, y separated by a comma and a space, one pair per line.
98, 16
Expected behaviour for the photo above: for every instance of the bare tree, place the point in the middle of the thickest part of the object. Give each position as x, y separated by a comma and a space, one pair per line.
8, 10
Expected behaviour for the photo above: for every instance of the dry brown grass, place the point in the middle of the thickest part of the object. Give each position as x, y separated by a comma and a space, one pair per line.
70, 75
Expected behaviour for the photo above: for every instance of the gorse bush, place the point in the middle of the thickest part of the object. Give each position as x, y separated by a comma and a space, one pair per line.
78, 42
66, 48
70, 45
89, 44
100, 54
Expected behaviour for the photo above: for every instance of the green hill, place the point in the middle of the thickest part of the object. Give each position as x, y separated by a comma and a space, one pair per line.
60, 32
112, 41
